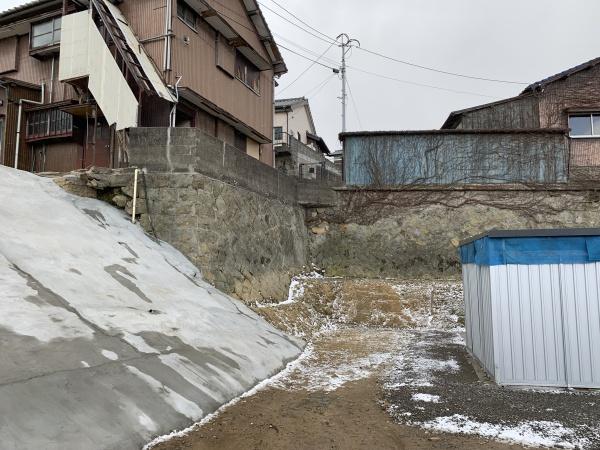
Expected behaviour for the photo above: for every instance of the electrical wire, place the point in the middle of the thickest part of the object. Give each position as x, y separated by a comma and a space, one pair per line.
316, 61
366, 71
318, 88
354, 104
306, 57
301, 21
329, 40
381, 55
306, 50
431, 69
413, 83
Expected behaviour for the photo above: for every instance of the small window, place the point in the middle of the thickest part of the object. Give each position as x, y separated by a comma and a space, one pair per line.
187, 14
585, 125
45, 34
247, 72
278, 133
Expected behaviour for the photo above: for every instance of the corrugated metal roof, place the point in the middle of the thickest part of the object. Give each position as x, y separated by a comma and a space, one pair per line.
25, 6
284, 102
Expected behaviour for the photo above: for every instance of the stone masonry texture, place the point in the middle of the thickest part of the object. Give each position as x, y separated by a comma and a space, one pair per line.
244, 243
407, 234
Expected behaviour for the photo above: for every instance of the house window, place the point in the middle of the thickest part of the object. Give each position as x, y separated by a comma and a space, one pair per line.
49, 123
45, 34
585, 125
247, 72
187, 14
278, 133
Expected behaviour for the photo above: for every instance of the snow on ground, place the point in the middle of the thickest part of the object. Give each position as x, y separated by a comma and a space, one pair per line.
111, 330
330, 372
427, 398
530, 434
432, 384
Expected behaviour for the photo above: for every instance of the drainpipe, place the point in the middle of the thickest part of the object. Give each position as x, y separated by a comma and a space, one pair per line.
168, 36
19, 117
51, 93
174, 109
2, 86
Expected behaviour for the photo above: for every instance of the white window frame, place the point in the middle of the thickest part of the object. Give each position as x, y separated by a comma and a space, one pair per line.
585, 136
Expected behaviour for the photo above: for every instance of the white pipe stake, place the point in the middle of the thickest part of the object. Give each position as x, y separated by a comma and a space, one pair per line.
135, 183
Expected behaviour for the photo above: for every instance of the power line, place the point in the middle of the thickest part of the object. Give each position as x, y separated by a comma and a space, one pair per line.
306, 57
315, 90
296, 25
307, 69
431, 69
381, 55
301, 21
420, 84
304, 49
354, 104
361, 70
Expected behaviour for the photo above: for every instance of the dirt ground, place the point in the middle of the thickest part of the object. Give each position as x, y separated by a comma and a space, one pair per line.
386, 368
303, 411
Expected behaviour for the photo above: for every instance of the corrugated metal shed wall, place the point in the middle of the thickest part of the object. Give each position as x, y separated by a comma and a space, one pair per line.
535, 324
581, 313
528, 325
437, 158
478, 314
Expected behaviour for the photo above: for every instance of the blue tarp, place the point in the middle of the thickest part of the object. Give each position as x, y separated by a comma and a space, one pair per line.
489, 251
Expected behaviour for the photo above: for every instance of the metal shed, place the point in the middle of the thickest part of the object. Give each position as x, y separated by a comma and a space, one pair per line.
532, 306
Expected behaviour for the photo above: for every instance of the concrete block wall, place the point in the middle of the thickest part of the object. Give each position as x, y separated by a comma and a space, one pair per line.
189, 150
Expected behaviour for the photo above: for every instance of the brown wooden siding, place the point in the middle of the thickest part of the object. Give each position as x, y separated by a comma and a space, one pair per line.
15, 93
234, 12
57, 156
8, 55
520, 113
266, 154
585, 152
580, 90
197, 63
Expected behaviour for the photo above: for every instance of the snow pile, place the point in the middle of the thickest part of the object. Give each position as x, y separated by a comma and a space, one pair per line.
531, 434
296, 290
103, 325
427, 398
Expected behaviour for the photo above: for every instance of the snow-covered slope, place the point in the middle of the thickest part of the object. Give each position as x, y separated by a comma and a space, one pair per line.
108, 338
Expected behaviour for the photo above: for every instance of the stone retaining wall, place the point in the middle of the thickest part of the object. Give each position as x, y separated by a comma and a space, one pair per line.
416, 233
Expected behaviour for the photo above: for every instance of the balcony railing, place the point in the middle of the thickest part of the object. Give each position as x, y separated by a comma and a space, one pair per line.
280, 138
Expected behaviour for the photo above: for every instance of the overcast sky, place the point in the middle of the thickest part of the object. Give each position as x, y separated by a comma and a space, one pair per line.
515, 40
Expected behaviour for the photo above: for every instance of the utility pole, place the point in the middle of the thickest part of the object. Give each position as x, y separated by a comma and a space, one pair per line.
346, 45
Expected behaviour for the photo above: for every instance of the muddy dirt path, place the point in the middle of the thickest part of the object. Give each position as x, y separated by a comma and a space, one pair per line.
386, 368
330, 399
